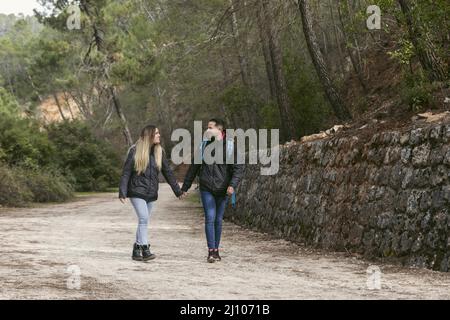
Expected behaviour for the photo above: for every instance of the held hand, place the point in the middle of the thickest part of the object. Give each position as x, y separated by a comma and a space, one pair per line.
123, 200
183, 195
230, 190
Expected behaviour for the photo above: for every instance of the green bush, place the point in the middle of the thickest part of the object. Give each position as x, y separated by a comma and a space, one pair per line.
417, 93
87, 162
13, 189
310, 107
24, 144
242, 103
22, 141
8, 104
21, 186
48, 185
270, 116
48, 164
70, 148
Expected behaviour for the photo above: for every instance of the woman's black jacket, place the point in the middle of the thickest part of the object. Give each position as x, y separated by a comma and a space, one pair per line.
145, 185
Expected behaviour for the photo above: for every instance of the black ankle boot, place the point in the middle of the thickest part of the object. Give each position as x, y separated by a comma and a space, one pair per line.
146, 254
137, 253
216, 255
210, 258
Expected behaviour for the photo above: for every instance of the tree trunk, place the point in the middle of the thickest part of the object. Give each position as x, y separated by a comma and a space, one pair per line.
118, 107
164, 110
266, 54
123, 120
351, 13
332, 94
336, 38
288, 129
241, 57
59, 107
355, 64
80, 106
423, 46
251, 112
99, 36
34, 86
66, 100
225, 83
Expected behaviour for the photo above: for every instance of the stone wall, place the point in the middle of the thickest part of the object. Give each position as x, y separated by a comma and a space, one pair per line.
383, 195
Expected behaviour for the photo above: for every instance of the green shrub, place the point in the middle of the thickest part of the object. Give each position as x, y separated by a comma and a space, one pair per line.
8, 104
270, 116
242, 103
48, 185
13, 189
88, 163
76, 156
417, 93
21, 186
310, 107
22, 143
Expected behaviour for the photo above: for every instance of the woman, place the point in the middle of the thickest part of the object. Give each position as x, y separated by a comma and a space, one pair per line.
139, 182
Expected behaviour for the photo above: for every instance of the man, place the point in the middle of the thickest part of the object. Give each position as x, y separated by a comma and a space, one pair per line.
218, 181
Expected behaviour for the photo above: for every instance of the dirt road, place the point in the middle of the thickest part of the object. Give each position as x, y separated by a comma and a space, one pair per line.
44, 248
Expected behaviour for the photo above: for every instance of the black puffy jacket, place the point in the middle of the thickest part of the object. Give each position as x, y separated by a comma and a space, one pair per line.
145, 185
215, 178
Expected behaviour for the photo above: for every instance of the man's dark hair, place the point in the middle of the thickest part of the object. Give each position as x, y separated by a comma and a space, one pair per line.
218, 122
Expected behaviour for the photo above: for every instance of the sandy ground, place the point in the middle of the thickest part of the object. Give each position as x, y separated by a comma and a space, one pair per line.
41, 246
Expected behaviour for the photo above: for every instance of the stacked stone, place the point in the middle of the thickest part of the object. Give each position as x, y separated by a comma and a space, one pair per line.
386, 196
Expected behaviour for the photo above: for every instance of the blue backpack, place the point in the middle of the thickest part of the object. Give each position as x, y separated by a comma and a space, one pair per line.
230, 147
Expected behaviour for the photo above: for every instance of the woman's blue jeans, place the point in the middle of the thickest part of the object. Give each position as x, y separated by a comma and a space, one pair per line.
143, 211
214, 207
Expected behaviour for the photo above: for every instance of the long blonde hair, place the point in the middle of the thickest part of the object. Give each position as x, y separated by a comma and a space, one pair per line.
143, 147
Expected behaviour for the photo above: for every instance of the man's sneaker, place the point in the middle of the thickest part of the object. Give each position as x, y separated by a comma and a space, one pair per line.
146, 254
216, 255
211, 258
137, 253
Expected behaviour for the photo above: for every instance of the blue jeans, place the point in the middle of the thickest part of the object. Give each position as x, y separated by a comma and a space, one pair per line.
143, 211
214, 207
